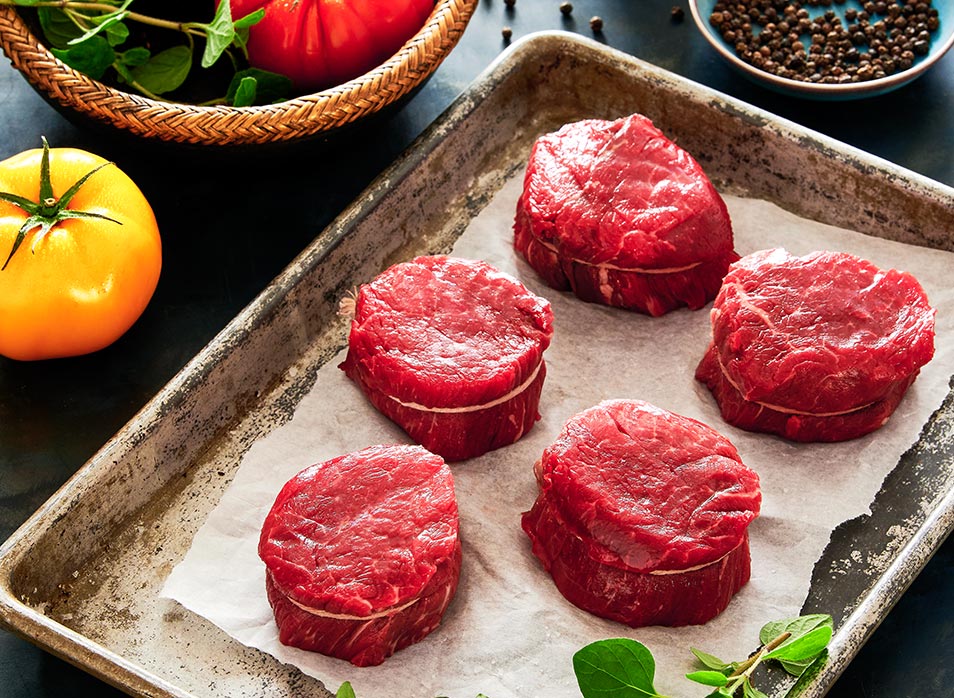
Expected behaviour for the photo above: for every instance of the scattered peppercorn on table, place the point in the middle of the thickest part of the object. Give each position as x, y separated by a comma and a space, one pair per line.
231, 221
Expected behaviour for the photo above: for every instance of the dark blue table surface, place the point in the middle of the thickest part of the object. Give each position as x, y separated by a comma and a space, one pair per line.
231, 223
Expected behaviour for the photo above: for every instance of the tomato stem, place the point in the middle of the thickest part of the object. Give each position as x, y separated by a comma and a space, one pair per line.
49, 210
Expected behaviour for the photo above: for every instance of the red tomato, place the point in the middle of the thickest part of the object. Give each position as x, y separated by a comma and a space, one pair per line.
320, 43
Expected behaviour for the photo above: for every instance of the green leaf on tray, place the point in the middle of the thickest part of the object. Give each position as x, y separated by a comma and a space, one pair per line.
750, 691
804, 647
165, 71
708, 678
92, 57
615, 668
712, 662
796, 626
345, 691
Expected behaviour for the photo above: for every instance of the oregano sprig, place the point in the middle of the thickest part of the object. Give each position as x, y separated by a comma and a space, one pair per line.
793, 642
90, 36
625, 668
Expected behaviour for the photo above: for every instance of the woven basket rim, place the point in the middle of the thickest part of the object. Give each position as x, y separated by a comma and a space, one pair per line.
299, 117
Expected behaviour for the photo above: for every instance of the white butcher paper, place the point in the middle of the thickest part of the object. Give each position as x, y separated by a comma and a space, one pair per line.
508, 632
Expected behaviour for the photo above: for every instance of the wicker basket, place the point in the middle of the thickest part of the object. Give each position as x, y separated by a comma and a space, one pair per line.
302, 117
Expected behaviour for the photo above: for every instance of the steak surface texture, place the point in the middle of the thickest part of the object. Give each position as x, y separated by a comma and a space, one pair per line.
452, 351
362, 553
642, 515
623, 216
815, 348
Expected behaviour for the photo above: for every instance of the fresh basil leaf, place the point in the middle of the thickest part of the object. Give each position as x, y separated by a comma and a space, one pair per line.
708, 678
92, 57
165, 71
345, 691
270, 87
796, 626
134, 57
220, 34
615, 668
750, 691
802, 647
244, 95
58, 28
711, 661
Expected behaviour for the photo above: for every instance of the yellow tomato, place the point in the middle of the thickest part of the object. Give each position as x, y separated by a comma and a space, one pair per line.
77, 285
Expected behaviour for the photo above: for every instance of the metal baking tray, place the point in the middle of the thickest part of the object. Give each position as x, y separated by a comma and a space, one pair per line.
82, 577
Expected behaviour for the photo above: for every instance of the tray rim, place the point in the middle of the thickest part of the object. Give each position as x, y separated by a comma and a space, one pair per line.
113, 668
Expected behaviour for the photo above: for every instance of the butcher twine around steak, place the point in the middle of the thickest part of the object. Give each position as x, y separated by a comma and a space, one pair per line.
623, 216
452, 351
362, 554
643, 515
815, 348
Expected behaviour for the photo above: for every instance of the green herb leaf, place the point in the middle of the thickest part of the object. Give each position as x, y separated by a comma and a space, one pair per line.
615, 668
134, 57
250, 20
750, 691
104, 22
795, 668
220, 34
58, 28
242, 25
93, 56
117, 33
165, 71
711, 661
269, 87
244, 94
808, 675
803, 647
796, 626
345, 691
708, 678
721, 693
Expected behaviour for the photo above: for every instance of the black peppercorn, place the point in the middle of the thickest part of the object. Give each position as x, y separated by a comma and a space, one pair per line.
506, 33
676, 14
881, 39
566, 9
596, 24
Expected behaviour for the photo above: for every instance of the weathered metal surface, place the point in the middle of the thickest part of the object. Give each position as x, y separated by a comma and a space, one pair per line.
82, 576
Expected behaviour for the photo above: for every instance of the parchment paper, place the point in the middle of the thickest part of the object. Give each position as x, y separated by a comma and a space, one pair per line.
509, 632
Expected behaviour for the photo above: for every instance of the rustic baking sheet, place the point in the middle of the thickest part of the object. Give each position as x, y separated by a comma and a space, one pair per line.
83, 576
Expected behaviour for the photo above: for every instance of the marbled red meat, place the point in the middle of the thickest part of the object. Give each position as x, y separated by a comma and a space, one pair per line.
362, 553
643, 514
815, 348
621, 215
452, 351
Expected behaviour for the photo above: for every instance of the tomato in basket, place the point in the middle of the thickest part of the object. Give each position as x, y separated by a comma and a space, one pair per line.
321, 43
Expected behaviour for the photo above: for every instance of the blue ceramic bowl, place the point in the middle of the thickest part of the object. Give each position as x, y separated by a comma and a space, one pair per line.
941, 42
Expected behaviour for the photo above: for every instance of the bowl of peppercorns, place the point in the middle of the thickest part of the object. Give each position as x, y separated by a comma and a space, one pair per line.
828, 49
